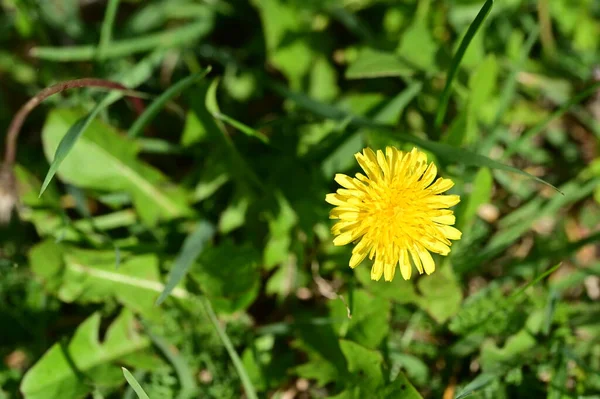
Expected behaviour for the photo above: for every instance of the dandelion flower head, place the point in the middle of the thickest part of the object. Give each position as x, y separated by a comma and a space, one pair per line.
395, 213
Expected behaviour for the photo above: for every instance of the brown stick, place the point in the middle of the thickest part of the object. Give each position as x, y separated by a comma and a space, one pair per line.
17, 121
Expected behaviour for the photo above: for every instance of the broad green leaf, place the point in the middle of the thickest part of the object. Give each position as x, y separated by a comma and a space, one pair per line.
441, 294
370, 318
418, 47
72, 370
193, 130
367, 378
131, 78
192, 247
453, 70
323, 80
283, 31
135, 385
104, 160
228, 275
513, 353
376, 64
234, 215
364, 365
88, 276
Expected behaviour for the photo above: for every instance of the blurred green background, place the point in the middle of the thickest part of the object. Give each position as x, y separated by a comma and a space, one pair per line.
212, 198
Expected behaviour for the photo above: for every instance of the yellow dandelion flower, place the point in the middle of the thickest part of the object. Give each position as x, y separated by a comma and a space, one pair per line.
394, 213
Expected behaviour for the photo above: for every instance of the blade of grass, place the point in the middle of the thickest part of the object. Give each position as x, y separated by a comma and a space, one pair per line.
107, 27
167, 39
508, 93
536, 280
213, 107
69, 140
154, 108
445, 151
462, 48
192, 247
237, 362
556, 114
479, 382
134, 384
183, 371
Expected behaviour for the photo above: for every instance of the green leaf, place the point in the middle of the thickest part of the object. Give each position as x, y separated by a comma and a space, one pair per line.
367, 376
372, 63
441, 294
134, 384
370, 322
89, 276
71, 370
364, 365
192, 247
418, 47
234, 216
283, 35
132, 78
104, 160
228, 275
453, 70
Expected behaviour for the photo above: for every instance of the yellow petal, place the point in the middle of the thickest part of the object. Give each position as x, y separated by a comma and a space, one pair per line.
389, 271
436, 247
335, 199
343, 239
405, 266
429, 175
445, 219
426, 260
356, 258
441, 185
450, 232
416, 260
345, 181
377, 270
368, 162
383, 163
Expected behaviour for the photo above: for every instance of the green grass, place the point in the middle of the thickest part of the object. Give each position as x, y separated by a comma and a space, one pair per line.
183, 249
